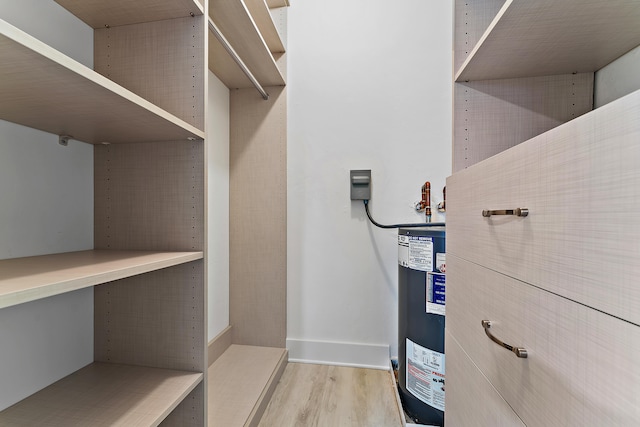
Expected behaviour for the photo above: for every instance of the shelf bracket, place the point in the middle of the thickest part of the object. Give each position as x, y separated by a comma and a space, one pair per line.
64, 140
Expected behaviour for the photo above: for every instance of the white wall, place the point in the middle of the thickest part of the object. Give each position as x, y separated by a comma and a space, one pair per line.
46, 194
218, 206
369, 87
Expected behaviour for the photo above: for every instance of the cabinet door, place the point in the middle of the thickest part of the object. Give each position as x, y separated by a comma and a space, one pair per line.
471, 401
581, 185
582, 366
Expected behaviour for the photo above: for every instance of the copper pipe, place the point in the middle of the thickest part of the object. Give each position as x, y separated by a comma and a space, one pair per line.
425, 203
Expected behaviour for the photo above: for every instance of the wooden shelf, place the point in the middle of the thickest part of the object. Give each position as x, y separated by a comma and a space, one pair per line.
44, 89
113, 13
235, 21
105, 394
32, 278
241, 382
548, 37
263, 20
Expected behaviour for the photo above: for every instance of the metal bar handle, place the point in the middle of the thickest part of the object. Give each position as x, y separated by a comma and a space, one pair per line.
515, 212
518, 351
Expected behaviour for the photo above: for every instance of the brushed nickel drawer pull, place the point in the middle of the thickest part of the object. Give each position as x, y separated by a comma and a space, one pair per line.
518, 351
516, 212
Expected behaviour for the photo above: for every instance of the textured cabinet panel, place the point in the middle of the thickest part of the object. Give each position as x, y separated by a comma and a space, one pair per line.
162, 62
580, 182
494, 115
465, 383
149, 196
582, 367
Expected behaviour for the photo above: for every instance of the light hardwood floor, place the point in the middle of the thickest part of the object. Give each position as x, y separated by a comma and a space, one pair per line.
333, 396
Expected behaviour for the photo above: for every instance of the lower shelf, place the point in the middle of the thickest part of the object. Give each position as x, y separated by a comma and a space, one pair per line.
105, 394
241, 382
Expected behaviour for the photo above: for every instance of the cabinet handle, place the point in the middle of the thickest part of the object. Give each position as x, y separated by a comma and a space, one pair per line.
518, 351
516, 212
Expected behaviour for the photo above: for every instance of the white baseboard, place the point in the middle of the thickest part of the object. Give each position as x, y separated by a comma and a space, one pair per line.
371, 356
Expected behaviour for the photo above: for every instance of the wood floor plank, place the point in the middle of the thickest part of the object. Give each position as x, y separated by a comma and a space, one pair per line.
320, 395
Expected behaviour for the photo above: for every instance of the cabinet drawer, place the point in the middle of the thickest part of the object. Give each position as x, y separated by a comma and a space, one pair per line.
471, 401
582, 367
581, 185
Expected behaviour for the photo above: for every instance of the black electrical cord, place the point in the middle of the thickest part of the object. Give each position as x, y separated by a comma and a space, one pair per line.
426, 224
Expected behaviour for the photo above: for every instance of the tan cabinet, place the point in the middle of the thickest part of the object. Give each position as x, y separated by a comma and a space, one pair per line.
561, 281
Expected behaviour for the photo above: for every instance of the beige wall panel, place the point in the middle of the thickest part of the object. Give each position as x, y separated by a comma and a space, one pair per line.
161, 61
580, 183
258, 206
465, 384
582, 367
149, 196
154, 319
493, 115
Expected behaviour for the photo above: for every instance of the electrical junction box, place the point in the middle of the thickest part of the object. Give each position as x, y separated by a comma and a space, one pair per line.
360, 184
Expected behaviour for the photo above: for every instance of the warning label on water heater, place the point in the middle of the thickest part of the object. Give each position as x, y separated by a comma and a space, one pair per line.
415, 252
436, 293
425, 374
403, 250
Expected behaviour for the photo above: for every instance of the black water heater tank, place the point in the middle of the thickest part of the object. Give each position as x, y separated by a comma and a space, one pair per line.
421, 297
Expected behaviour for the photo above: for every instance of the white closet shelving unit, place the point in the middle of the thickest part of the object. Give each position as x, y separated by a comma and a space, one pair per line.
143, 108
150, 340
252, 354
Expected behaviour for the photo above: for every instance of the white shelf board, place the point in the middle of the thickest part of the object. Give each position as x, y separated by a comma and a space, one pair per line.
32, 278
550, 37
104, 394
46, 90
235, 22
100, 13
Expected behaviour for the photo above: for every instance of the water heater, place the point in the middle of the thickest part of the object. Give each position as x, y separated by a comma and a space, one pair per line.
421, 298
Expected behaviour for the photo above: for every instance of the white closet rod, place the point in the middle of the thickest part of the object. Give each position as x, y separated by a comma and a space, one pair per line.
227, 46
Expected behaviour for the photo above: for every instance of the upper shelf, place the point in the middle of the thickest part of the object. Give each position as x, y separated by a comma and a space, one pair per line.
32, 278
263, 20
44, 89
550, 37
100, 13
242, 29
